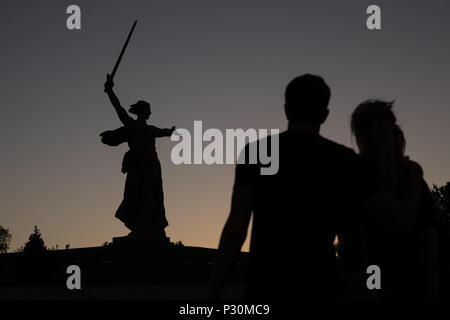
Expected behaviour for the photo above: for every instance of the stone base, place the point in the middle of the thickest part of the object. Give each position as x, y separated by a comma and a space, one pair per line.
139, 242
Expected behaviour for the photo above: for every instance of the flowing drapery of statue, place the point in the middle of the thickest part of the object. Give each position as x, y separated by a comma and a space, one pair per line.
142, 208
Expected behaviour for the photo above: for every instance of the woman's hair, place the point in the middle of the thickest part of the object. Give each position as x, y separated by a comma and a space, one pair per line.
381, 141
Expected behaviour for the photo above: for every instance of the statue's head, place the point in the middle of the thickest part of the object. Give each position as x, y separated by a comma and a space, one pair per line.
141, 109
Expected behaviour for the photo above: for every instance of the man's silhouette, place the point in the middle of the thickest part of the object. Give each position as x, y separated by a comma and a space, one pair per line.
298, 212
142, 209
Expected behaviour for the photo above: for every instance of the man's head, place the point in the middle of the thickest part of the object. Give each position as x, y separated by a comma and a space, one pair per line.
306, 100
141, 109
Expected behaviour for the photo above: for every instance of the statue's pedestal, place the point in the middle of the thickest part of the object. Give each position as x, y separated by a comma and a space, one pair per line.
128, 241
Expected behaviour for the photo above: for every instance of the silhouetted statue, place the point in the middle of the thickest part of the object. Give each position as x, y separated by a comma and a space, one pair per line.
400, 229
297, 212
142, 209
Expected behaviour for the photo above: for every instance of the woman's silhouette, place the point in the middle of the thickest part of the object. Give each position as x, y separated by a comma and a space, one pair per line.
399, 229
142, 209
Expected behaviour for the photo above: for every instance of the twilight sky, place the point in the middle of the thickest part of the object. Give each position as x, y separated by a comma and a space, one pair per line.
223, 62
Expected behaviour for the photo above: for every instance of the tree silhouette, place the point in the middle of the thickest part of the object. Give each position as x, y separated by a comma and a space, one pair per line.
441, 197
5, 239
35, 243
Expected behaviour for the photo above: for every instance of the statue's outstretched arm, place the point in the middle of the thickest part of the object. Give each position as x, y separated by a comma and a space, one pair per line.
163, 132
121, 112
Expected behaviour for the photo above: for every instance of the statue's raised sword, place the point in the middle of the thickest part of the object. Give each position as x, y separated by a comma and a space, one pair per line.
123, 50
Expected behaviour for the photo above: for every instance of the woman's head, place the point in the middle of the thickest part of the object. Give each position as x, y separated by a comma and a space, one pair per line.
379, 138
141, 109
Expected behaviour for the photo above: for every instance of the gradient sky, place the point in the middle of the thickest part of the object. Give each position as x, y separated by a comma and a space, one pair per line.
223, 62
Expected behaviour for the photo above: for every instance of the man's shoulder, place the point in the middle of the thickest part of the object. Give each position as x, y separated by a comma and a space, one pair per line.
321, 143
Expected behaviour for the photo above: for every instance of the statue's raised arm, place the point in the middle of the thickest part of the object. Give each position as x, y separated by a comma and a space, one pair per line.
123, 115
